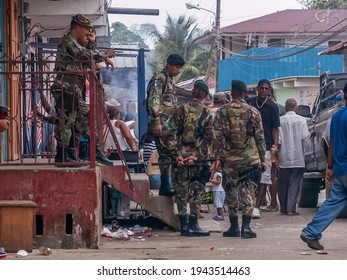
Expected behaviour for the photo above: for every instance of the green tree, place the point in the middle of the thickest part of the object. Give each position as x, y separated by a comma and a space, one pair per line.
178, 37
121, 34
324, 4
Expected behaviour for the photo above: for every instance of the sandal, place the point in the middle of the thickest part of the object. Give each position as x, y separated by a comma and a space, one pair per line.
269, 209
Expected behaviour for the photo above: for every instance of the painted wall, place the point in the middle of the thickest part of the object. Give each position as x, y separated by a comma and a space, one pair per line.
271, 63
304, 96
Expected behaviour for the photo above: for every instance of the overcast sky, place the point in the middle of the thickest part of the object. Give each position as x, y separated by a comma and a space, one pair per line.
232, 11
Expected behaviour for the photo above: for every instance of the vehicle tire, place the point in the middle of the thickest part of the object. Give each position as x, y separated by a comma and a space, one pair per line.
309, 191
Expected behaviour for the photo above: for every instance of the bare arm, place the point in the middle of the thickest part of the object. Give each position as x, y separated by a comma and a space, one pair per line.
124, 128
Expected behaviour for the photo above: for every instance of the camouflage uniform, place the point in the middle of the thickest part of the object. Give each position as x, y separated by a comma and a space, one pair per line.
239, 145
162, 101
194, 136
67, 89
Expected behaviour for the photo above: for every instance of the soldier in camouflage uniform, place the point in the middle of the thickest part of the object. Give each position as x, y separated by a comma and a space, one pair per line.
72, 110
161, 102
194, 135
239, 148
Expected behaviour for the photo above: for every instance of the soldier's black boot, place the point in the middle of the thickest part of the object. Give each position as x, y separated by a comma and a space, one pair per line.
234, 230
84, 151
62, 155
100, 157
184, 224
194, 229
246, 231
166, 187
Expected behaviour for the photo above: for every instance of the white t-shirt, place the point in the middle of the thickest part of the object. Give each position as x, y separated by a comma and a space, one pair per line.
217, 187
109, 143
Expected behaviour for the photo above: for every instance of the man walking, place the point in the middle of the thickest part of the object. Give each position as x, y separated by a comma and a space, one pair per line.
336, 172
194, 136
239, 148
292, 132
161, 102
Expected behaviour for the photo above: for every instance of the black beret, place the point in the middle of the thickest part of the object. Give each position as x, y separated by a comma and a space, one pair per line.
200, 84
175, 60
239, 85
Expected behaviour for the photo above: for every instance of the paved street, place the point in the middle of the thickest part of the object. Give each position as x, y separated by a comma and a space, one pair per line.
278, 239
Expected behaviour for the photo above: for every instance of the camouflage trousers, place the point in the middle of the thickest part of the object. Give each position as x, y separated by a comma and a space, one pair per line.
166, 144
233, 187
72, 118
188, 189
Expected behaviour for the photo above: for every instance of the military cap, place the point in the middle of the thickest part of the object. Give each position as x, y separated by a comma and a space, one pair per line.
239, 85
82, 20
200, 84
175, 60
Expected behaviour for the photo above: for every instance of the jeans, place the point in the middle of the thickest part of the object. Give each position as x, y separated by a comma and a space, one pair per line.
155, 182
329, 210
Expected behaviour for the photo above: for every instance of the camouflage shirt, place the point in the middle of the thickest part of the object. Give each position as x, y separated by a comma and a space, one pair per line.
69, 50
238, 137
194, 129
161, 98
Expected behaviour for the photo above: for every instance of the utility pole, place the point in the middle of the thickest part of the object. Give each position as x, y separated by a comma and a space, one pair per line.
217, 42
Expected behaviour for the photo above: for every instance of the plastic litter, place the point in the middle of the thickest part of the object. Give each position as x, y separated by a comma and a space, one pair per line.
22, 254
305, 253
45, 251
3, 253
136, 232
321, 252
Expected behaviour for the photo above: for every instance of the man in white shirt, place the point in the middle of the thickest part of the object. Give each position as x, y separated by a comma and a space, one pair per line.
292, 132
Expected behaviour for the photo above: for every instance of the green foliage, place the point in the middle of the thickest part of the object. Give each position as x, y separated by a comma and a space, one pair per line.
178, 37
121, 34
324, 4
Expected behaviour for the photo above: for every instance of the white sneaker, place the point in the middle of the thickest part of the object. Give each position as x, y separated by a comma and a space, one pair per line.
256, 213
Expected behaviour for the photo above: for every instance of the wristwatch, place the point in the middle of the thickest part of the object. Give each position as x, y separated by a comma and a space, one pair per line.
330, 167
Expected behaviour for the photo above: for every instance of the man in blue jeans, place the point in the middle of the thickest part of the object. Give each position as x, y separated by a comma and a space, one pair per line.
336, 172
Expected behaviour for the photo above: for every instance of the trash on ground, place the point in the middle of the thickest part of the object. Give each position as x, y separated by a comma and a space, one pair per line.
3, 253
136, 232
321, 252
22, 254
45, 251
305, 253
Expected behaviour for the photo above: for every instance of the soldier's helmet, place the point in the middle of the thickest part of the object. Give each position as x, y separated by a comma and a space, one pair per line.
82, 20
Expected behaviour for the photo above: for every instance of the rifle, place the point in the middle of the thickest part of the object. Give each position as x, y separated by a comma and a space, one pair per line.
251, 174
197, 162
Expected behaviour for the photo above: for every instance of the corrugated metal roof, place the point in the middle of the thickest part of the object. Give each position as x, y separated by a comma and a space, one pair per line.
308, 63
303, 20
292, 21
126, 55
335, 49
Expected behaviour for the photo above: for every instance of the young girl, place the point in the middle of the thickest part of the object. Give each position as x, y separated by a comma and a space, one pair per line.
218, 193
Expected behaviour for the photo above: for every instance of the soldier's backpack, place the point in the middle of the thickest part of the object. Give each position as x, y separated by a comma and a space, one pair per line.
241, 122
150, 83
192, 123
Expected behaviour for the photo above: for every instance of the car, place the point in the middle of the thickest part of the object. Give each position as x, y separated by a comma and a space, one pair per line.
328, 100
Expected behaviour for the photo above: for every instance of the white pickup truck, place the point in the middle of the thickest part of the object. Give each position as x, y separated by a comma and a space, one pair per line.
327, 102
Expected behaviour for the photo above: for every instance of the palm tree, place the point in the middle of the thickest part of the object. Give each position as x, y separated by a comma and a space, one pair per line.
178, 37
